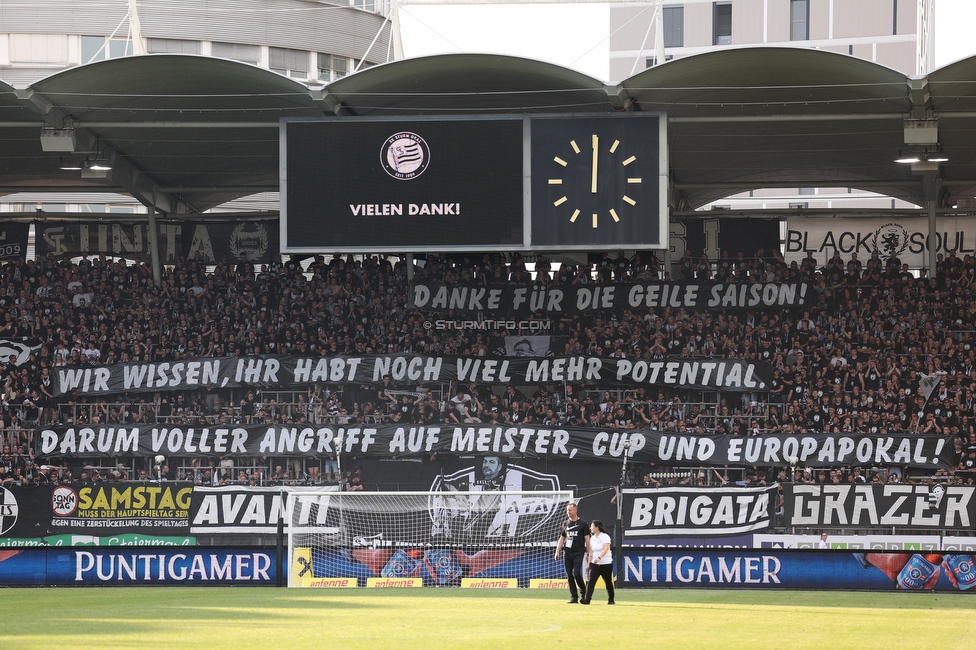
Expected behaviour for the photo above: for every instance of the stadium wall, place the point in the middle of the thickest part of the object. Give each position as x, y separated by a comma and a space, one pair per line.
76, 566
672, 568
797, 569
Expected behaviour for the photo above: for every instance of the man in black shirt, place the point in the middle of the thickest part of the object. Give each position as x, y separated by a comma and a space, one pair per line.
575, 538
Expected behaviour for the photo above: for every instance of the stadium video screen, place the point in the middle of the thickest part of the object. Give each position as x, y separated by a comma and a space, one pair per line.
597, 181
395, 185
485, 182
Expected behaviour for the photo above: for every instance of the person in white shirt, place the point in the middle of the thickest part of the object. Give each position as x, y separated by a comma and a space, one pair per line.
601, 562
823, 541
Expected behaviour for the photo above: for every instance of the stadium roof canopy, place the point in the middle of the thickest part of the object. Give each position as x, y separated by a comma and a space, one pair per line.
188, 133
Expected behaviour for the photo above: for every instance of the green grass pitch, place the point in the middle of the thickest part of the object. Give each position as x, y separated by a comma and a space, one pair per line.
213, 618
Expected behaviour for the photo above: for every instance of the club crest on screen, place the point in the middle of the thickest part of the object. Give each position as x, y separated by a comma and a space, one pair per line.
405, 155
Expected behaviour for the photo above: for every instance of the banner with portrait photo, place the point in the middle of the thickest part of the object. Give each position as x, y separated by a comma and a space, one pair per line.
527, 346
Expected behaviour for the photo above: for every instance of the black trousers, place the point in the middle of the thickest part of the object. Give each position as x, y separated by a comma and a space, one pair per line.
574, 574
598, 571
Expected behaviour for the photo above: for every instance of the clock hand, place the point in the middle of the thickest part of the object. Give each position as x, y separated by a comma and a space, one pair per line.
596, 159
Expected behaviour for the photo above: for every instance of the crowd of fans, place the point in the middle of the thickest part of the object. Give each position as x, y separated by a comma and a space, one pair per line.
850, 362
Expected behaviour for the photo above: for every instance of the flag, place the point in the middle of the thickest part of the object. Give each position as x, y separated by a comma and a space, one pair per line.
21, 348
406, 154
928, 383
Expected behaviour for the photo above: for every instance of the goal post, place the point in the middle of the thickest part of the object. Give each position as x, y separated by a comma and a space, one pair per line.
412, 539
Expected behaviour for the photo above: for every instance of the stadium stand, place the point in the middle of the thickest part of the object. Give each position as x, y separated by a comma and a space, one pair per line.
850, 363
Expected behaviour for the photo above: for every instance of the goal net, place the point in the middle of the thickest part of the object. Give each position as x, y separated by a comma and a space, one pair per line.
383, 539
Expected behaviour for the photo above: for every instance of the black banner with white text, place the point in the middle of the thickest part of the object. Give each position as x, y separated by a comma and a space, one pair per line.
241, 509
950, 507
399, 441
13, 240
291, 371
580, 299
209, 242
723, 239
695, 511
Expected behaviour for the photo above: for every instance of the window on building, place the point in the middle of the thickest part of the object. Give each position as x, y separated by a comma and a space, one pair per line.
293, 63
324, 67
172, 46
799, 206
674, 26
332, 67
38, 48
119, 47
92, 48
238, 52
721, 23
807, 191
651, 61
799, 20
98, 48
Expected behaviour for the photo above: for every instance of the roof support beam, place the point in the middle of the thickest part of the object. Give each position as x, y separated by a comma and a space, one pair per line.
767, 213
918, 91
133, 180
620, 99
758, 185
235, 189
38, 189
149, 124
329, 103
153, 230
207, 217
838, 117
